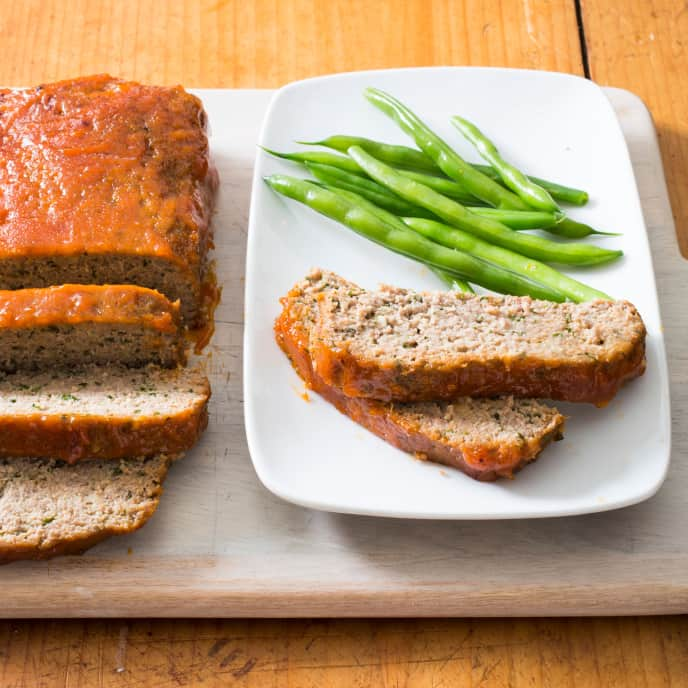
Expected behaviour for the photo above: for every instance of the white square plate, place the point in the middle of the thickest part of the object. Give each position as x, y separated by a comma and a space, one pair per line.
552, 125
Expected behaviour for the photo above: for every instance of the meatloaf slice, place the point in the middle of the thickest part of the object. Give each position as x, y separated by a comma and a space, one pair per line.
48, 507
485, 438
102, 412
400, 345
106, 181
74, 324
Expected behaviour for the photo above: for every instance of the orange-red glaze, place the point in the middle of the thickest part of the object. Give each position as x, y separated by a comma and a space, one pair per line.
75, 304
589, 380
211, 294
485, 462
76, 438
100, 165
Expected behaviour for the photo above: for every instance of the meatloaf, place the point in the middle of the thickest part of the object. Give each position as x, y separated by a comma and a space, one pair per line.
48, 507
102, 412
75, 324
106, 181
395, 344
485, 438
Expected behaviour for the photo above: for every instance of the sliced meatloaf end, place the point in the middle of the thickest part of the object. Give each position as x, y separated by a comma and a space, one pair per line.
49, 508
109, 182
102, 412
484, 438
75, 324
395, 344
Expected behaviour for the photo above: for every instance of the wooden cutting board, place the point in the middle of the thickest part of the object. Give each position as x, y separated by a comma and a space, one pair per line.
222, 545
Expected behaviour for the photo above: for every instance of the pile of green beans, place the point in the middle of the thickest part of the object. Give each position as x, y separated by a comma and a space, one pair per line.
462, 241
484, 227
462, 220
565, 227
454, 166
404, 157
409, 243
452, 237
384, 198
324, 166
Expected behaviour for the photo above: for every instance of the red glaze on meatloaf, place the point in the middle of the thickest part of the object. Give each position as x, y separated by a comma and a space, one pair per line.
74, 324
96, 168
75, 304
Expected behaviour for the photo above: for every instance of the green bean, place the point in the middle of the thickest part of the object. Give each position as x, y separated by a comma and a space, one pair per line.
531, 194
442, 185
408, 243
454, 283
343, 162
403, 157
451, 280
559, 192
570, 229
485, 228
451, 237
399, 156
554, 224
367, 188
519, 219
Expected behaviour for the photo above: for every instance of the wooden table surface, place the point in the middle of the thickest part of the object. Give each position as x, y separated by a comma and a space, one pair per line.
641, 45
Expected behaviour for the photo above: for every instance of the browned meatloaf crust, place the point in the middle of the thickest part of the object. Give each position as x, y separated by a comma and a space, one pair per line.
106, 181
400, 345
484, 438
76, 324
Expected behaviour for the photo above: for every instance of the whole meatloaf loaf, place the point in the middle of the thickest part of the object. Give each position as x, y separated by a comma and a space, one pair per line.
109, 182
75, 324
485, 438
401, 345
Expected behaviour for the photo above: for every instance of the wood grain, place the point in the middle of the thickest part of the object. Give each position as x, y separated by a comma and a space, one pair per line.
266, 43
591, 653
642, 45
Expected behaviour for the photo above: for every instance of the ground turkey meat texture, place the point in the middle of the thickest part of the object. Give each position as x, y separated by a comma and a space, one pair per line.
395, 344
485, 438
